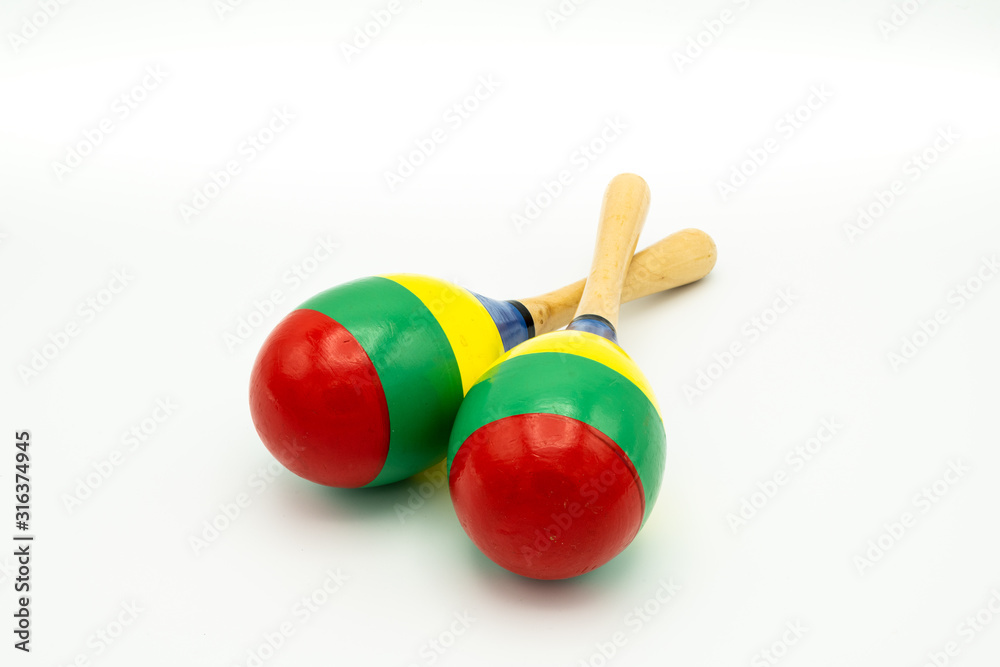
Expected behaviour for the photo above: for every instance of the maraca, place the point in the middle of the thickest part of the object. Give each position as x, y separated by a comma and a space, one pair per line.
557, 451
359, 386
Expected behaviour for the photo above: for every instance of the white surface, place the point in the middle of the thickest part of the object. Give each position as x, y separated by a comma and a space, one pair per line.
163, 336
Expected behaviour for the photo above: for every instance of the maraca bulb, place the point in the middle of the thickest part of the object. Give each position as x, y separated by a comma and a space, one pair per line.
359, 386
557, 455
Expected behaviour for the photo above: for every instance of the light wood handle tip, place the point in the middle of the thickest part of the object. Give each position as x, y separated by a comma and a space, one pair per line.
623, 214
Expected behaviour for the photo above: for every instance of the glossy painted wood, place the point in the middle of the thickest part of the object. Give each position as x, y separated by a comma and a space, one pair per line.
546, 496
558, 414
317, 402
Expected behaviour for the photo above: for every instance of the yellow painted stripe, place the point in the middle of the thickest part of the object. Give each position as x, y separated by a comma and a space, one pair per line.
590, 346
470, 329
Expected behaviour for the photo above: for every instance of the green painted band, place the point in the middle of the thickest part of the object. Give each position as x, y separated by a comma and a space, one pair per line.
572, 386
414, 361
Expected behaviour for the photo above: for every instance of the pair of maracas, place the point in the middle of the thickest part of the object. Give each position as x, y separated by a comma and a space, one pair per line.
556, 446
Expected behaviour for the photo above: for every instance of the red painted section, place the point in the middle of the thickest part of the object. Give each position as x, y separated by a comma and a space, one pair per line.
318, 403
546, 496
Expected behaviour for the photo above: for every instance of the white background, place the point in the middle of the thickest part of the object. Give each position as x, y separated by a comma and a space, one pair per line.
688, 125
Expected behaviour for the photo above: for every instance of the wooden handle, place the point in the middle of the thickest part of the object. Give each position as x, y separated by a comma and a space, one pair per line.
681, 258
623, 213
